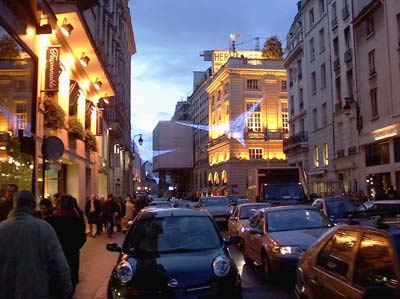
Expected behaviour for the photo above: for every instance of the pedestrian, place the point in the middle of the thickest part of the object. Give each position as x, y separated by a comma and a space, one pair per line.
100, 219
46, 209
31, 256
129, 208
92, 211
121, 210
70, 230
391, 193
109, 210
6, 205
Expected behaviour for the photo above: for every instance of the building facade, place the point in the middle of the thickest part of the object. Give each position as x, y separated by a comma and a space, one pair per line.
247, 121
199, 115
377, 36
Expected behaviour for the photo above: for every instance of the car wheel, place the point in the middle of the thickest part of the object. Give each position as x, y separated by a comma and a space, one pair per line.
266, 267
246, 258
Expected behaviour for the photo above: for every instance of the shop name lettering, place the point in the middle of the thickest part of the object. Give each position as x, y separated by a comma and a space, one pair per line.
53, 68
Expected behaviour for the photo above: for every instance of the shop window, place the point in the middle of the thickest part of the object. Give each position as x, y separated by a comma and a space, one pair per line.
17, 71
396, 143
377, 154
255, 153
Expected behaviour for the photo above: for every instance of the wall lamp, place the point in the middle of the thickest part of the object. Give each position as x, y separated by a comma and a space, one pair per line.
140, 141
66, 27
98, 84
84, 60
44, 29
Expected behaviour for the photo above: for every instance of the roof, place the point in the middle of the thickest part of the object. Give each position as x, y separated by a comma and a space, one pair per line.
163, 212
336, 198
386, 202
253, 204
287, 208
389, 225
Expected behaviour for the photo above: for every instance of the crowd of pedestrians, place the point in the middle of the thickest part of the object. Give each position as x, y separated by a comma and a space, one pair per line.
39, 257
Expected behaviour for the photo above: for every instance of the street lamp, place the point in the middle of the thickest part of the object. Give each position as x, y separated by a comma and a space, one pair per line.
140, 139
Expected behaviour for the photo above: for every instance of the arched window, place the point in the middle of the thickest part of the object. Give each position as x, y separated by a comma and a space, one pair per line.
224, 177
210, 179
216, 178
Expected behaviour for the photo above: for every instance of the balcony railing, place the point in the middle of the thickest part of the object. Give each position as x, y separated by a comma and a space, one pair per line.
348, 55
336, 64
340, 153
345, 12
296, 139
352, 150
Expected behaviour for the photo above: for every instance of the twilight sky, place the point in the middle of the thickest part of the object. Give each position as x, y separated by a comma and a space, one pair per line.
171, 34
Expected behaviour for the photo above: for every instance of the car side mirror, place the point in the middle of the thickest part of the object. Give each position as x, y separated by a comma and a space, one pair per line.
374, 292
232, 240
254, 231
113, 247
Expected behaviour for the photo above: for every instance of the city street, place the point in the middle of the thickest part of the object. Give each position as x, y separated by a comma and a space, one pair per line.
97, 263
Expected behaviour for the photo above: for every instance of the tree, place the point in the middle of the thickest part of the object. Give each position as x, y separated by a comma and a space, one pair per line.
272, 48
8, 48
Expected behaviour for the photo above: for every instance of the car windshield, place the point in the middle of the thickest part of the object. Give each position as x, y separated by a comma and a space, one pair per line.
283, 191
214, 201
286, 220
247, 211
338, 208
172, 234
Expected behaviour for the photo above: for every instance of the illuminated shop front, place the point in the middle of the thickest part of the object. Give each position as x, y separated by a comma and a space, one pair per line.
17, 117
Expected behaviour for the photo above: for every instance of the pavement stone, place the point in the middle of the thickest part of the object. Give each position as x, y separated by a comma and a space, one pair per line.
96, 264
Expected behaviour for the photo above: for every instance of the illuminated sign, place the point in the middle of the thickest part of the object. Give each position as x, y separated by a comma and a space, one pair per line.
52, 68
220, 57
99, 121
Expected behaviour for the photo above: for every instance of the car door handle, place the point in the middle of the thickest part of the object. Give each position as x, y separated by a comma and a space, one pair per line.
314, 279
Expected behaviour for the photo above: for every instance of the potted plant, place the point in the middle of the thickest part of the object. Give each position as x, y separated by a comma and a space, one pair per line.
90, 141
54, 115
75, 128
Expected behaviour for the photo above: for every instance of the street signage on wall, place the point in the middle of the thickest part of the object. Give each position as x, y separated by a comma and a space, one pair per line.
53, 70
99, 121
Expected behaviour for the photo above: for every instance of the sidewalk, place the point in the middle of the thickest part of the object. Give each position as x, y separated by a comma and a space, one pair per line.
96, 264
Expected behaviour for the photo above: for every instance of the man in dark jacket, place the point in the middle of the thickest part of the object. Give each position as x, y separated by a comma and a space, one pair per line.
31, 255
7, 205
109, 211
71, 232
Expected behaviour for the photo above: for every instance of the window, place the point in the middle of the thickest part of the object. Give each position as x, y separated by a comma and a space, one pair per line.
315, 118
323, 76
374, 103
374, 264
301, 104
321, 7
226, 88
321, 40
334, 21
338, 253
285, 124
316, 156
253, 117
398, 28
324, 115
302, 125
347, 37
338, 88
349, 77
283, 85
219, 95
326, 154
21, 116
291, 104
377, 154
370, 23
313, 84
336, 48
299, 69
312, 49
371, 62
255, 153
396, 145
253, 84
311, 16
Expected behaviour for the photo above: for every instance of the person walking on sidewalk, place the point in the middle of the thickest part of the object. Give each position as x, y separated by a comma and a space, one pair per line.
31, 255
121, 210
92, 211
109, 211
71, 232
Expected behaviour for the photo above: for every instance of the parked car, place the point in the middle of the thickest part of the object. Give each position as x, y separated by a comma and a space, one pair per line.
335, 208
217, 206
358, 260
380, 205
233, 199
174, 253
240, 216
159, 204
274, 237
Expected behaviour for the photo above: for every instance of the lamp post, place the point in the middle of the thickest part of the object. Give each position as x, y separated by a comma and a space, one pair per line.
140, 141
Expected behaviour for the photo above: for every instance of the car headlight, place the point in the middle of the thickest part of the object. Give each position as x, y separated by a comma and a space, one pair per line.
288, 250
221, 265
124, 272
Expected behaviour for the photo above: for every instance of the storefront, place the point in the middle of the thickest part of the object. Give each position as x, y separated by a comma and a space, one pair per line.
18, 75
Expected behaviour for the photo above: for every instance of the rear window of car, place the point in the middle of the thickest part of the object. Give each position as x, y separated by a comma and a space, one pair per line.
338, 208
296, 219
174, 233
215, 201
247, 211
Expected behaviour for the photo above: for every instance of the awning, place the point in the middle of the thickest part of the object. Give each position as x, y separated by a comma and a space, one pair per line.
317, 172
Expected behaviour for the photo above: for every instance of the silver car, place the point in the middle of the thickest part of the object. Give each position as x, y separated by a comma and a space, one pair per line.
275, 237
241, 215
